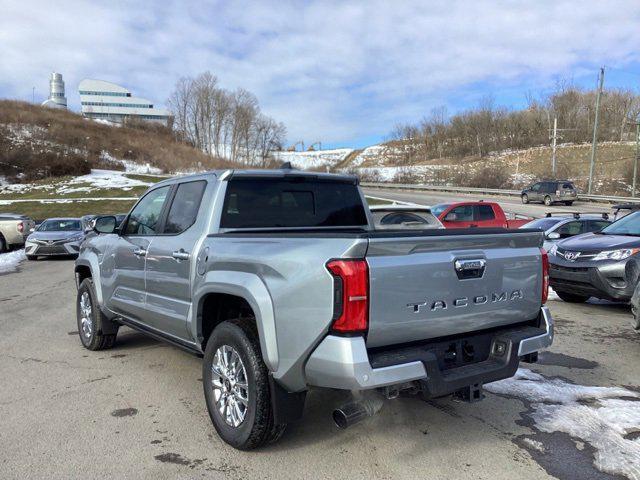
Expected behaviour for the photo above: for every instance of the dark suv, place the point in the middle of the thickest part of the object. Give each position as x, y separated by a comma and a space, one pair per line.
549, 192
595, 264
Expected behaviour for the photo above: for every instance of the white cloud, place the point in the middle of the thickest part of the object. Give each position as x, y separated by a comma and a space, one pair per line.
331, 70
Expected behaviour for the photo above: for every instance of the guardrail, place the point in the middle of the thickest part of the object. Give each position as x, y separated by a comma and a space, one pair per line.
492, 191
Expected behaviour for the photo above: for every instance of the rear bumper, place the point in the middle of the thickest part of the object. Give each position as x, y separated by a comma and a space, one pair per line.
345, 363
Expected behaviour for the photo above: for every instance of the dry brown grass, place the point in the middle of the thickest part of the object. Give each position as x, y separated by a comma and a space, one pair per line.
62, 142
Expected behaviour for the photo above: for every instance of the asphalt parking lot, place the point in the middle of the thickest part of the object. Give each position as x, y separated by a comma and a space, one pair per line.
137, 411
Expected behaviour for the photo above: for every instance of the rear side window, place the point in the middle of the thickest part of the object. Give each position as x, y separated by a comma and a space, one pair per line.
292, 202
484, 212
185, 206
568, 186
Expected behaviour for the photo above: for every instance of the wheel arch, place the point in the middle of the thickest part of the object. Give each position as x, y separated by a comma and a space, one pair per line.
86, 268
226, 295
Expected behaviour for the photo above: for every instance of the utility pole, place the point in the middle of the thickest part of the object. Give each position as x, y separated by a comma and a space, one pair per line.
595, 130
553, 146
637, 157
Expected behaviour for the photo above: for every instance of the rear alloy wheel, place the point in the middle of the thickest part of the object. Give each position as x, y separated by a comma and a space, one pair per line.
548, 201
236, 386
525, 198
572, 298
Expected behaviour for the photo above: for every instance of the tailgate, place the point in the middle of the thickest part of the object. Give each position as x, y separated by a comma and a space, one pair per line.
433, 286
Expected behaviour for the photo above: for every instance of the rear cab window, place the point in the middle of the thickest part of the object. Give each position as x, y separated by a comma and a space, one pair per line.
292, 202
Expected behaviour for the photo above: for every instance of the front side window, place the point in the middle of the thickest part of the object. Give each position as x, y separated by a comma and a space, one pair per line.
463, 213
145, 216
185, 206
536, 187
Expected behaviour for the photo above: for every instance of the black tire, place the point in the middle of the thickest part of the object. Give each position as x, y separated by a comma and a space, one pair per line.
568, 204
257, 427
525, 198
572, 298
32, 257
94, 338
3, 245
636, 318
548, 201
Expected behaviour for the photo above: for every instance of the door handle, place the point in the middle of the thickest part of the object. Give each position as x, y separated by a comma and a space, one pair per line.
180, 255
473, 225
140, 252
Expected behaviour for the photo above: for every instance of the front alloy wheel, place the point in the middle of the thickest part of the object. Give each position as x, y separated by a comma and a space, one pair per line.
230, 387
86, 319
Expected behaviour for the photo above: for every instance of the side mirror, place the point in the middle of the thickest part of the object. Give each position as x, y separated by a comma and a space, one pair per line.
553, 236
450, 217
106, 224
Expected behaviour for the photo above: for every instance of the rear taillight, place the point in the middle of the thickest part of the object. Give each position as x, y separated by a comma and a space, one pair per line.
350, 295
557, 193
545, 275
20, 227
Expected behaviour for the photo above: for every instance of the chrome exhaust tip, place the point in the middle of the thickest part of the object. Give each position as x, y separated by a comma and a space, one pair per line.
354, 412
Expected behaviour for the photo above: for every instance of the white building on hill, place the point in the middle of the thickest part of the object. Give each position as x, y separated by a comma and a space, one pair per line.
108, 101
56, 92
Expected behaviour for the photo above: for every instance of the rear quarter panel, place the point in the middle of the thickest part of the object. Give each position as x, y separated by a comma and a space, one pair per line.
291, 268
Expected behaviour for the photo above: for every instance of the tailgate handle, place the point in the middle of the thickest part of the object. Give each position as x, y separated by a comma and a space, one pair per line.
470, 268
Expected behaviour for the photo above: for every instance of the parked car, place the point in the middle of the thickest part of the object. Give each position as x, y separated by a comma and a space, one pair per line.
550, 192
562, 225
387, 217
280, 280
476, 214
14, 229
594, 264
624, 209
55, 237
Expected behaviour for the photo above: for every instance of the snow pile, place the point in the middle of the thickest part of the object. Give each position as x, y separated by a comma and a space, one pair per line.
602, 416
99, 179
313, 159
9, 261
140, 168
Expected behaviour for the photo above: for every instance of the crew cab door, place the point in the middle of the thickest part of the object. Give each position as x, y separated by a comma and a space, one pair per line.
485, 216
128, 294
170, 258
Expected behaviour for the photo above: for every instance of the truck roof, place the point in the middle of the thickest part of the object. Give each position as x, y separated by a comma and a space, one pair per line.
279, 172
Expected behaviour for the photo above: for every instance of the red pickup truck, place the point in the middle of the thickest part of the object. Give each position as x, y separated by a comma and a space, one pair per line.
476, 214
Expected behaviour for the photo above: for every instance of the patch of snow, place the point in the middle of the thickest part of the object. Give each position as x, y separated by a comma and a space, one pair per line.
313, 159
600, 416
9, 261
140, 168
535, 444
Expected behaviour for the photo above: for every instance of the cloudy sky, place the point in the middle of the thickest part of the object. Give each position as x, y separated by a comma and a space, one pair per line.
341, 72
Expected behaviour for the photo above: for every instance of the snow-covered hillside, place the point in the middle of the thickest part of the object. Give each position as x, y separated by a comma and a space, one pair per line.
313, 159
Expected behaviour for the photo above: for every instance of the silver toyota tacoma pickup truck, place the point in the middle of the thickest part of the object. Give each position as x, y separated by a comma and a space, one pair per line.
280, 281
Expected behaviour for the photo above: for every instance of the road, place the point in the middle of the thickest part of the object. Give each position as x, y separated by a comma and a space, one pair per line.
509, 204
137, 411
